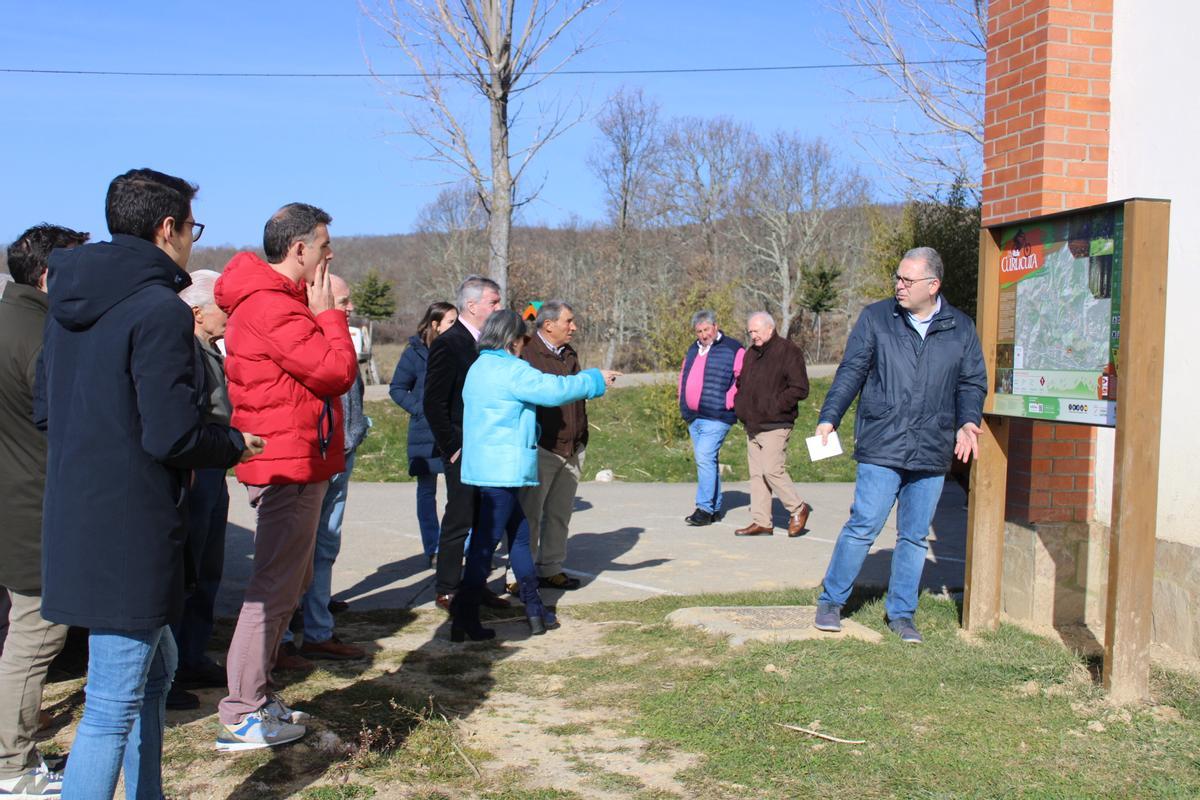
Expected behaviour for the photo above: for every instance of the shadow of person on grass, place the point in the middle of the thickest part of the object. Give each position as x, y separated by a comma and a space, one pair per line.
421, 693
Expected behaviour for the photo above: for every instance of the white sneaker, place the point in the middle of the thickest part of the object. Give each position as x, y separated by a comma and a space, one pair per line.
40, 782
258, 730
282, 712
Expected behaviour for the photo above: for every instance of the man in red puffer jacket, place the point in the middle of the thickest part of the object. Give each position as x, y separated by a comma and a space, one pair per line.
289, 360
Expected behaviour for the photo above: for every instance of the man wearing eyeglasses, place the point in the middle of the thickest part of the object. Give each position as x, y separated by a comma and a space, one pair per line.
120, 392
289, 360
916, 365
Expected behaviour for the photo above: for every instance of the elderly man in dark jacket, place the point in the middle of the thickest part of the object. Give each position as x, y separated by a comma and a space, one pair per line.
917, 363
207, 509
32, 642
123, 400
772, 382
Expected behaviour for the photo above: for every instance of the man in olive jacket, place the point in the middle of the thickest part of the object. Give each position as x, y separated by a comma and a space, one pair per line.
918, 366
562, 443
32, 641
772, 382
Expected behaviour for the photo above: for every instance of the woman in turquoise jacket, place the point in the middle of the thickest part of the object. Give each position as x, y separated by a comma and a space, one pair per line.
499, 455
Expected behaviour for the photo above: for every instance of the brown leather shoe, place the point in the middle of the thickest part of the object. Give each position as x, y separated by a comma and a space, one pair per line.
493, 600
754, 529
799, 520
443, 602
332, 649
288, 659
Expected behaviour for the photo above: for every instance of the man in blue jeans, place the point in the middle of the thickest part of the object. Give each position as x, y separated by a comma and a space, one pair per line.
706, 390
919, 368
120, 393
316, 607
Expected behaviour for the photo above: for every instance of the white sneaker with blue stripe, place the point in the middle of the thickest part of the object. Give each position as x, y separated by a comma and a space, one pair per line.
258, 730
39, 782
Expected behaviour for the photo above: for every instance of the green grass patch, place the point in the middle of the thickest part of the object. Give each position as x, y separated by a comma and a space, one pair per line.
623, 439
1008, 714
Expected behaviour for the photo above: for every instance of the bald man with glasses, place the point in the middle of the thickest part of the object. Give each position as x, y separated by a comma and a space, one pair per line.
916, 365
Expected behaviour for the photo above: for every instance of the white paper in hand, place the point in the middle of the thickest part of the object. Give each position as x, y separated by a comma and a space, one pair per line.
817, 451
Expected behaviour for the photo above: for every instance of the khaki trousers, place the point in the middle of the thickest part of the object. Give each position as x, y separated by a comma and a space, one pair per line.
767, 454
548, 507
284, 539
31, 645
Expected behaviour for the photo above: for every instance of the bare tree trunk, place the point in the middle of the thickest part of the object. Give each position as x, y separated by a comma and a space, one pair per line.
500, 227
476, 43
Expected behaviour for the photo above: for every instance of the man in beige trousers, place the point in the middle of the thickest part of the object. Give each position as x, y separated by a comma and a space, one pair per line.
772, 382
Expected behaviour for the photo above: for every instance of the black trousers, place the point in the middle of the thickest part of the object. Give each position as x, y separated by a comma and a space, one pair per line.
462, 505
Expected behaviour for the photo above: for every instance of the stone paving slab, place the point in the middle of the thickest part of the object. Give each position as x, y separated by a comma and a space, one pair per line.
628, 542
765, 624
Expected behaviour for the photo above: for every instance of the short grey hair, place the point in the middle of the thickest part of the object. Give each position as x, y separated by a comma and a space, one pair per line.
704, 315
551, 310
763, 316
472, 289
200, 293
502, 329
932, 259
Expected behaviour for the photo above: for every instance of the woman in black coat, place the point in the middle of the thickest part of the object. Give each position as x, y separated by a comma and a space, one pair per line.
408, 390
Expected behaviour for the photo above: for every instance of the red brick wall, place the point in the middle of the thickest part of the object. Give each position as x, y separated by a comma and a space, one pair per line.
1046, 118
1050, 472
1046, 112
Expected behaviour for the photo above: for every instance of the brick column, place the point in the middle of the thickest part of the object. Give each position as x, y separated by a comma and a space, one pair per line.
1046, 117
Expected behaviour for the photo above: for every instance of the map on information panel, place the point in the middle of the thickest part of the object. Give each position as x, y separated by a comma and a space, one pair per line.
1060, 317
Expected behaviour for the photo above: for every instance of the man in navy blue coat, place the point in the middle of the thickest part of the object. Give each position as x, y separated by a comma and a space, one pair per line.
123, 401
919, 367
706, 382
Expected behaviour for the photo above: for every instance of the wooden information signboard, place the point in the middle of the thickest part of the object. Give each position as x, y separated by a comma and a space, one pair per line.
1071, 318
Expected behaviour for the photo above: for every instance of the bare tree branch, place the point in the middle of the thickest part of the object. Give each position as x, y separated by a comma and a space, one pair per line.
889, 37
470, 42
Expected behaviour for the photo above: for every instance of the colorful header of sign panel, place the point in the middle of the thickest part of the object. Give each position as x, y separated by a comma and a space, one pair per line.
1059, 319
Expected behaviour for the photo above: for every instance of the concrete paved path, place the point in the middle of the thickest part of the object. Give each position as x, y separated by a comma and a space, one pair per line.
628, 542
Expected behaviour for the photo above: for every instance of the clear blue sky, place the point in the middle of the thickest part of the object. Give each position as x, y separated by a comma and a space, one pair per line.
254, 144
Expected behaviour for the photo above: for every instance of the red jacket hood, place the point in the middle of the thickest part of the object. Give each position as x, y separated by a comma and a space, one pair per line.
246, 274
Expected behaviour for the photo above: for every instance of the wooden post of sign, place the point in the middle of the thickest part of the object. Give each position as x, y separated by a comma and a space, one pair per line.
989, 473
1135, 480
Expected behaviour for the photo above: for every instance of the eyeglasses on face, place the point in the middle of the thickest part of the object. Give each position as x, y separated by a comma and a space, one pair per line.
908, 282
197, 230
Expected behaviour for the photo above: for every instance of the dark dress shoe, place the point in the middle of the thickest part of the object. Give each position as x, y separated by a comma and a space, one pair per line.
477, 634
560, 581
332, 649
754, 529
536, 626
699, 518
490, 599
338, 606
181, 700
799, 520
443, 601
